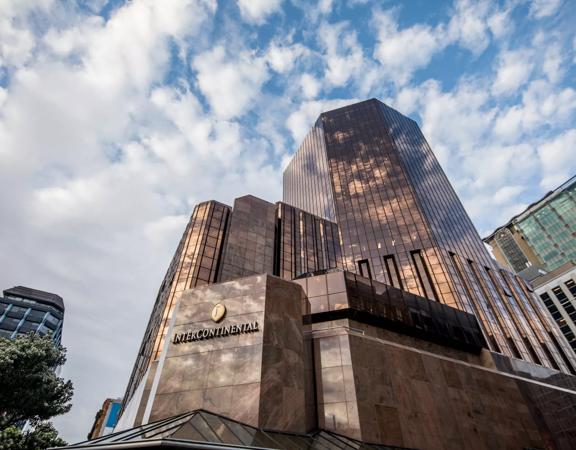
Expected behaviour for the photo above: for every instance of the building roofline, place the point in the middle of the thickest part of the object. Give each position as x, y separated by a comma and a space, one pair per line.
42, 297
558, 272
533, 206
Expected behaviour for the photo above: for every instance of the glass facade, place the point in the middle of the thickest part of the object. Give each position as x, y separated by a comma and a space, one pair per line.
544, 235
306, 180
551, 229
249, 246
277, 239
24, 310
401, 223
195, 263
305, 242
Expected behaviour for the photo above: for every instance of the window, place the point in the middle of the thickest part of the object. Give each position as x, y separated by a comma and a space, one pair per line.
392, 271
565, 302
549, 355
571, 287
364, 268
514, 348
531, 351
424, 275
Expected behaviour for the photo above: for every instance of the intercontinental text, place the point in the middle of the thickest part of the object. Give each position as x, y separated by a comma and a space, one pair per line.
209, 333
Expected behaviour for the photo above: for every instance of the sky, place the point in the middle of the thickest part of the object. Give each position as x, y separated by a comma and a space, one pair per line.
116, 118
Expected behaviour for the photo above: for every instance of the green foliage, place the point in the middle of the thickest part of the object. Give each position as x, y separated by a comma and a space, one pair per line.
42, 437
31, 391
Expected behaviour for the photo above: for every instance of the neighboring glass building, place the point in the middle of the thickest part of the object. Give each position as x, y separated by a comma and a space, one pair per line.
544, 235
25, 310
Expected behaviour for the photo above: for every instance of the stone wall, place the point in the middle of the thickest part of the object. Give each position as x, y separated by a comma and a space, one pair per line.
255, 377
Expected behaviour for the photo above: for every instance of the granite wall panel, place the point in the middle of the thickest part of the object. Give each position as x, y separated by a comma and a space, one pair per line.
254, 377
372, 386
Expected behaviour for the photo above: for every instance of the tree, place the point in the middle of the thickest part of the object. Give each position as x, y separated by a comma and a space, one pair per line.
42, 437
31, 391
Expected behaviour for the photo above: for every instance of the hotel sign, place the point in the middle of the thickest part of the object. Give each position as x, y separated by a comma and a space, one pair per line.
210, 333
217, 314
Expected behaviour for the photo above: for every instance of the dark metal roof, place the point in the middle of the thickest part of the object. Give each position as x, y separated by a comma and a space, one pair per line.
46, 298
201, 429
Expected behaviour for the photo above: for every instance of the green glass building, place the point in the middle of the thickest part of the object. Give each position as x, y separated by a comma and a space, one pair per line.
544, 235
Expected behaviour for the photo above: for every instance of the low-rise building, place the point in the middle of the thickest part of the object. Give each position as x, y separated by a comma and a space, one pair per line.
106, 418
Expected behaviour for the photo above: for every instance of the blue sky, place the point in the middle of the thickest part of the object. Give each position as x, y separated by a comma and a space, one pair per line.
117, 117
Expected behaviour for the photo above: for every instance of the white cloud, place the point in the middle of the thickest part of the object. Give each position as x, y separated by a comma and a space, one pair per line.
557, 158
230, 83
283, 57
552, 63
402, 52
344, 61
542, 104
343, 56
514, 69
325, 6
310, 85
544, 8
316, 11
507, 193
257, 11
17, 41
500, 24
469, 24
458, 119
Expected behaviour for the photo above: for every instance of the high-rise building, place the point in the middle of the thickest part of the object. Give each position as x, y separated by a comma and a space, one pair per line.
557, 290
369, 169
364, 308
25, 310
106, 418
542, 236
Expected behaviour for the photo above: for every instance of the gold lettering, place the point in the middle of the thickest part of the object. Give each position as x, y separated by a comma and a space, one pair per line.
209, 333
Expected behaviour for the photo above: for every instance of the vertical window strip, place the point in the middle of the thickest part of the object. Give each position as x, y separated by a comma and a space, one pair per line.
549, 355
423, 275
392, 271
364, 268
